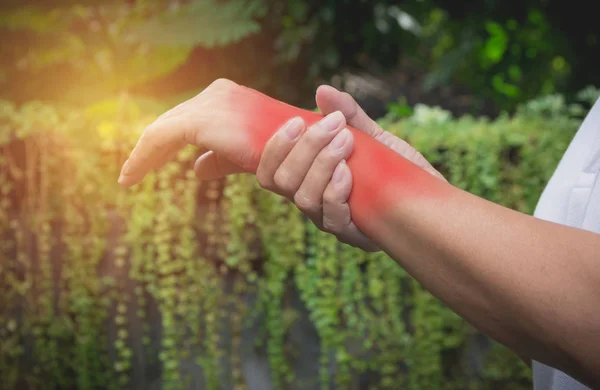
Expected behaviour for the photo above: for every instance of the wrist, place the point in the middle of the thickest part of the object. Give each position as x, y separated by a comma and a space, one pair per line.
382, 179
385, 184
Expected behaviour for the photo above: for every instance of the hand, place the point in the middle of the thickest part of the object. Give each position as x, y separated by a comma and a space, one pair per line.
232, 125
188, 123
330, 99
228, 122
308, 167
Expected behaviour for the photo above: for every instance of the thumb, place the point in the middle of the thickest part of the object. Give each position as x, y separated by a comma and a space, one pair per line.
330, 99
210, 166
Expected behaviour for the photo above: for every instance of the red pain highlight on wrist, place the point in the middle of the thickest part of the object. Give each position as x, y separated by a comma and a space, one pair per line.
381, 177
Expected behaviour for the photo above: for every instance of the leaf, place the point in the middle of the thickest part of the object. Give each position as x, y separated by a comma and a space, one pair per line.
206, 23
496, 45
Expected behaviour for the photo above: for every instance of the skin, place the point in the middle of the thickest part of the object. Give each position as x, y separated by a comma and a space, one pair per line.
497, 268
235, 123
323, 200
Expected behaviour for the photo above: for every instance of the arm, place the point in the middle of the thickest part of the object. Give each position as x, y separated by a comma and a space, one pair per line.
532, 285
505, 272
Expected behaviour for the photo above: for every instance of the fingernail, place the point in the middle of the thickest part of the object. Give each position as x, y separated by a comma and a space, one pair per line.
332, 121
338, 174
293, 128
340, 139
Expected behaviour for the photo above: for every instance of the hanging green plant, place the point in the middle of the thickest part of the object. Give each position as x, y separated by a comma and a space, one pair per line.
108, 289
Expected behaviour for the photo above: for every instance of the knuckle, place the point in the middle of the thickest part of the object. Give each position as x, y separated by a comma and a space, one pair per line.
264, 180
315, 135
328, 198
326, 163
313, 139
222, 83
331, 225
306, 204
284, 183
328, 159
336, 153
217, 88
331, 198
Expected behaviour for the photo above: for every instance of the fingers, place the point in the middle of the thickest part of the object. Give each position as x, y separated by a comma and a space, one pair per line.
309, 197
298, 163
275, 152
210, 166
293, 170
330, 99
404, 149
174, 129
286, 161
337, 218
158, 143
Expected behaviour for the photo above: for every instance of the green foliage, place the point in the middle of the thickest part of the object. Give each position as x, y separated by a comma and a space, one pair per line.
82, 262
503, 53
112, 46
81, 51
504, 59
99, 284
201, 23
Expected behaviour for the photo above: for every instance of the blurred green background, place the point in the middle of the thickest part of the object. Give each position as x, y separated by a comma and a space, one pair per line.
221, 285
491, 55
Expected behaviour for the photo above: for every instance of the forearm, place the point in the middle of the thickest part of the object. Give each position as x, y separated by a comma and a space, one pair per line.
489, 264
532, 285
529, 284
